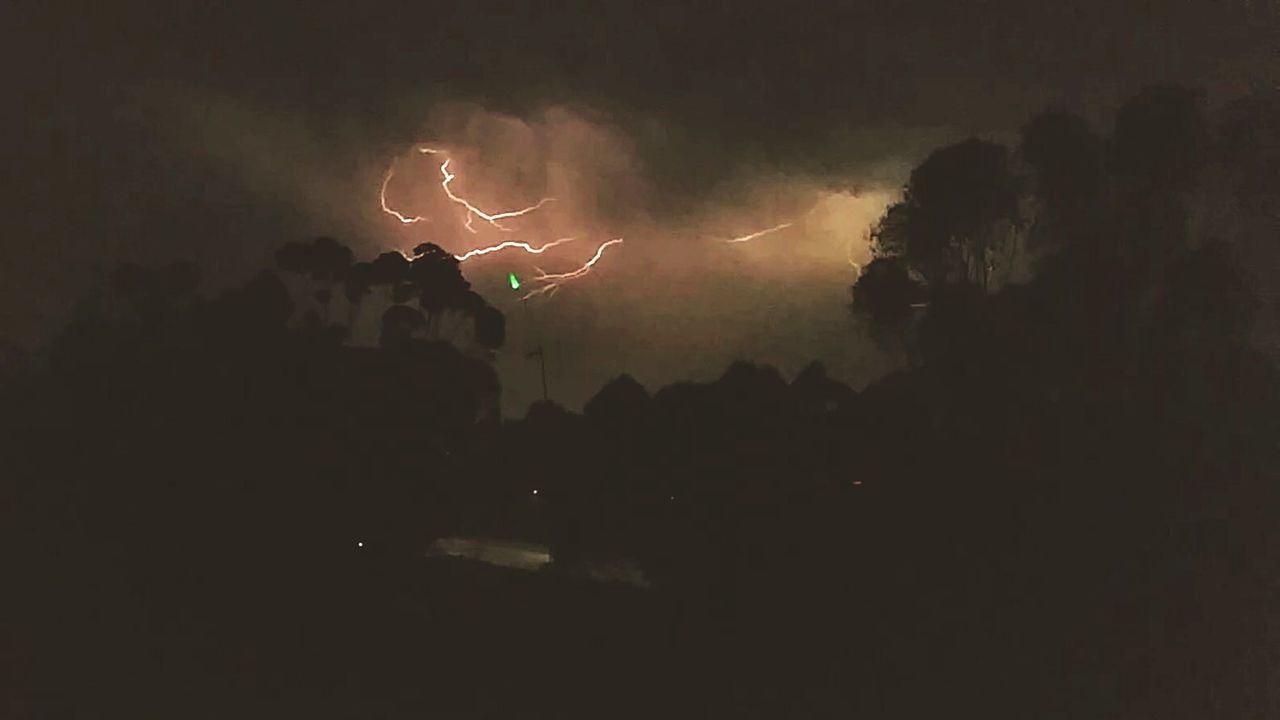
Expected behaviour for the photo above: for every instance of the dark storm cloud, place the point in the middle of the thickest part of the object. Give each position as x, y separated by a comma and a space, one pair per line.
778, 83
774, 82
846, 94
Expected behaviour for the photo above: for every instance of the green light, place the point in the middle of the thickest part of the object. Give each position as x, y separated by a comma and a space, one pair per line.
513, 281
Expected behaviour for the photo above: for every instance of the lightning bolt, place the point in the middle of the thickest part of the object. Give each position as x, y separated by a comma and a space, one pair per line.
511, 244
473, 211
553, 280
857, 266
382, 198
758, 233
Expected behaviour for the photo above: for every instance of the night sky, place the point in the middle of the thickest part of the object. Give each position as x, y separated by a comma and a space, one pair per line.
155, 132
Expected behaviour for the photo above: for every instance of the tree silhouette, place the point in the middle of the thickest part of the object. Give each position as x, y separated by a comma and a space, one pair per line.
949, 330
1249, 144
439, 284
257, 311
1161, 140
885, 293
817, 393
1159, 151
324, 261
399, 324
389, 268
1067, 157
944, 225
1204, 318
620, 399
153, 294
490, 323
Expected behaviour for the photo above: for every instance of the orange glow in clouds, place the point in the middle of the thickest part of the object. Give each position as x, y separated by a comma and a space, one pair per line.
827, 225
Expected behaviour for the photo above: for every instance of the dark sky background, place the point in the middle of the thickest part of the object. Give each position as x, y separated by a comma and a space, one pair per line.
215, 132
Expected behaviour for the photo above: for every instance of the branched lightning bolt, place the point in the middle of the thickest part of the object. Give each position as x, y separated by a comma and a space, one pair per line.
857, 266
758, 233
382, 198
553, 280
473, 211
511, 244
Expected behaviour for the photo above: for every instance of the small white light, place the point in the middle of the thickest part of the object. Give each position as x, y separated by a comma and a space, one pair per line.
359, 544
535, 492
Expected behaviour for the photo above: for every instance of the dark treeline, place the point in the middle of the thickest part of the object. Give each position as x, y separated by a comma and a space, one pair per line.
1062, 506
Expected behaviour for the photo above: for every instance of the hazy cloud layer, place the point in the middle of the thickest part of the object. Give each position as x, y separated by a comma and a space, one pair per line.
193, 130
